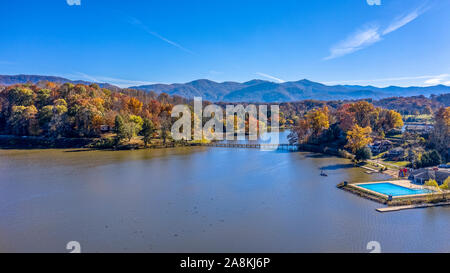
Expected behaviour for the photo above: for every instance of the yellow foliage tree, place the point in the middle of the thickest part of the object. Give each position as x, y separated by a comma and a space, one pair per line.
364, 113
446, 184
433, 184
318, 120
358, 138
394, 119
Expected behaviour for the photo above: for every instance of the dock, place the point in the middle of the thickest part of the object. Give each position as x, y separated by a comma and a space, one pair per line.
288, 147
369, 169
418, 206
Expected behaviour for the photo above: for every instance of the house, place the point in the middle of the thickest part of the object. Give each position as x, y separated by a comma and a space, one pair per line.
380, 146
395, 154
421, 176
418, 128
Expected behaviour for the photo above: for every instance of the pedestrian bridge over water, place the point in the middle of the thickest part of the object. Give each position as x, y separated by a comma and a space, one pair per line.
263, 146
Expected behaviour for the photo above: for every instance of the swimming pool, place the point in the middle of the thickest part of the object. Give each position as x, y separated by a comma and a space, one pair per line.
392, 189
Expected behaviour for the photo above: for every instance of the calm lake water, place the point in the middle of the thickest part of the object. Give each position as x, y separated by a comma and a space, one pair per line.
199, 200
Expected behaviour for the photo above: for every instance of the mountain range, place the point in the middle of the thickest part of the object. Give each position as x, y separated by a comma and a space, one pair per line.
265, 91
256, 90
22, 79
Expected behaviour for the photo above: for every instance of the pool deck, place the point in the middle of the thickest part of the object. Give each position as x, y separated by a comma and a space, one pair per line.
420, 206
402, 183
400, 202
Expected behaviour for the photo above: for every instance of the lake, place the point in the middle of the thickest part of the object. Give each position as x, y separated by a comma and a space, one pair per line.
199, 199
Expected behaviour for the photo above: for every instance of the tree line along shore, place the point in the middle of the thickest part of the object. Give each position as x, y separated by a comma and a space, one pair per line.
51, 115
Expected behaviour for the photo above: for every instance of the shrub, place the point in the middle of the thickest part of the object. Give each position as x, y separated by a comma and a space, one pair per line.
104, 143
429, 159
345, 154
446, 184
363, 154
432, 183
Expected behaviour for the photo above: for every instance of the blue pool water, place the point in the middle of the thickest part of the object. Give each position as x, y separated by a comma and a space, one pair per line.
392, 189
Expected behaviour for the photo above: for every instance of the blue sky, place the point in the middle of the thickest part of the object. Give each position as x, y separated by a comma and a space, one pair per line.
399, 42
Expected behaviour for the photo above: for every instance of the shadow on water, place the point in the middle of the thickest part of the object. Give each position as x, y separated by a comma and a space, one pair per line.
80, 150
337, 167
28, 148
319, 156
281, 151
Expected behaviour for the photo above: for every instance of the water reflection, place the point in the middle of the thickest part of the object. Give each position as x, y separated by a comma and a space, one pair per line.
198, 200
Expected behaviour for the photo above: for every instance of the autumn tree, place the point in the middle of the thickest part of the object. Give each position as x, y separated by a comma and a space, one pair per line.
79, 110
346, 117
390, 119
58, 124
52, 118
86, 118
300, 133
358, 138
135, 106
23, 120
135, 123
21, 96
364, 113
43, 97
318, 120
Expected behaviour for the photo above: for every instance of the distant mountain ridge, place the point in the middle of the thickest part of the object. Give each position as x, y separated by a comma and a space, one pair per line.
22, 79
266, 91
256, 90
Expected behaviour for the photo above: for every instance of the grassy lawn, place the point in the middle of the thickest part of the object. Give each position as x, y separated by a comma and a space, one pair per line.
372, 165
419, 117
378, 156
398, 163
398, 136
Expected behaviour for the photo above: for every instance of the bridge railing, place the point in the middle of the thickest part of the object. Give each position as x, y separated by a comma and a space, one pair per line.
282, 146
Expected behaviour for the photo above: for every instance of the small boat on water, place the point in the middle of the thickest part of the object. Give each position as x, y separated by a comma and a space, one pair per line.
323, 174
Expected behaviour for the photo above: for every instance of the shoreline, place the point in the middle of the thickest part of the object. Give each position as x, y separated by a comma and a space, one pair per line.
11, 142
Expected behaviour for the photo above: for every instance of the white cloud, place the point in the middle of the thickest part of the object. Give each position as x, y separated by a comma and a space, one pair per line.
214, 72
355, 42
270, 77
439, 79
432, 81
73, 2
136, 22
123, 83
408, 80
401, 21
370, 35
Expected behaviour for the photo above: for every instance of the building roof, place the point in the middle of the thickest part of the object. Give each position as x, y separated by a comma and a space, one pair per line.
418, 127
429, 173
